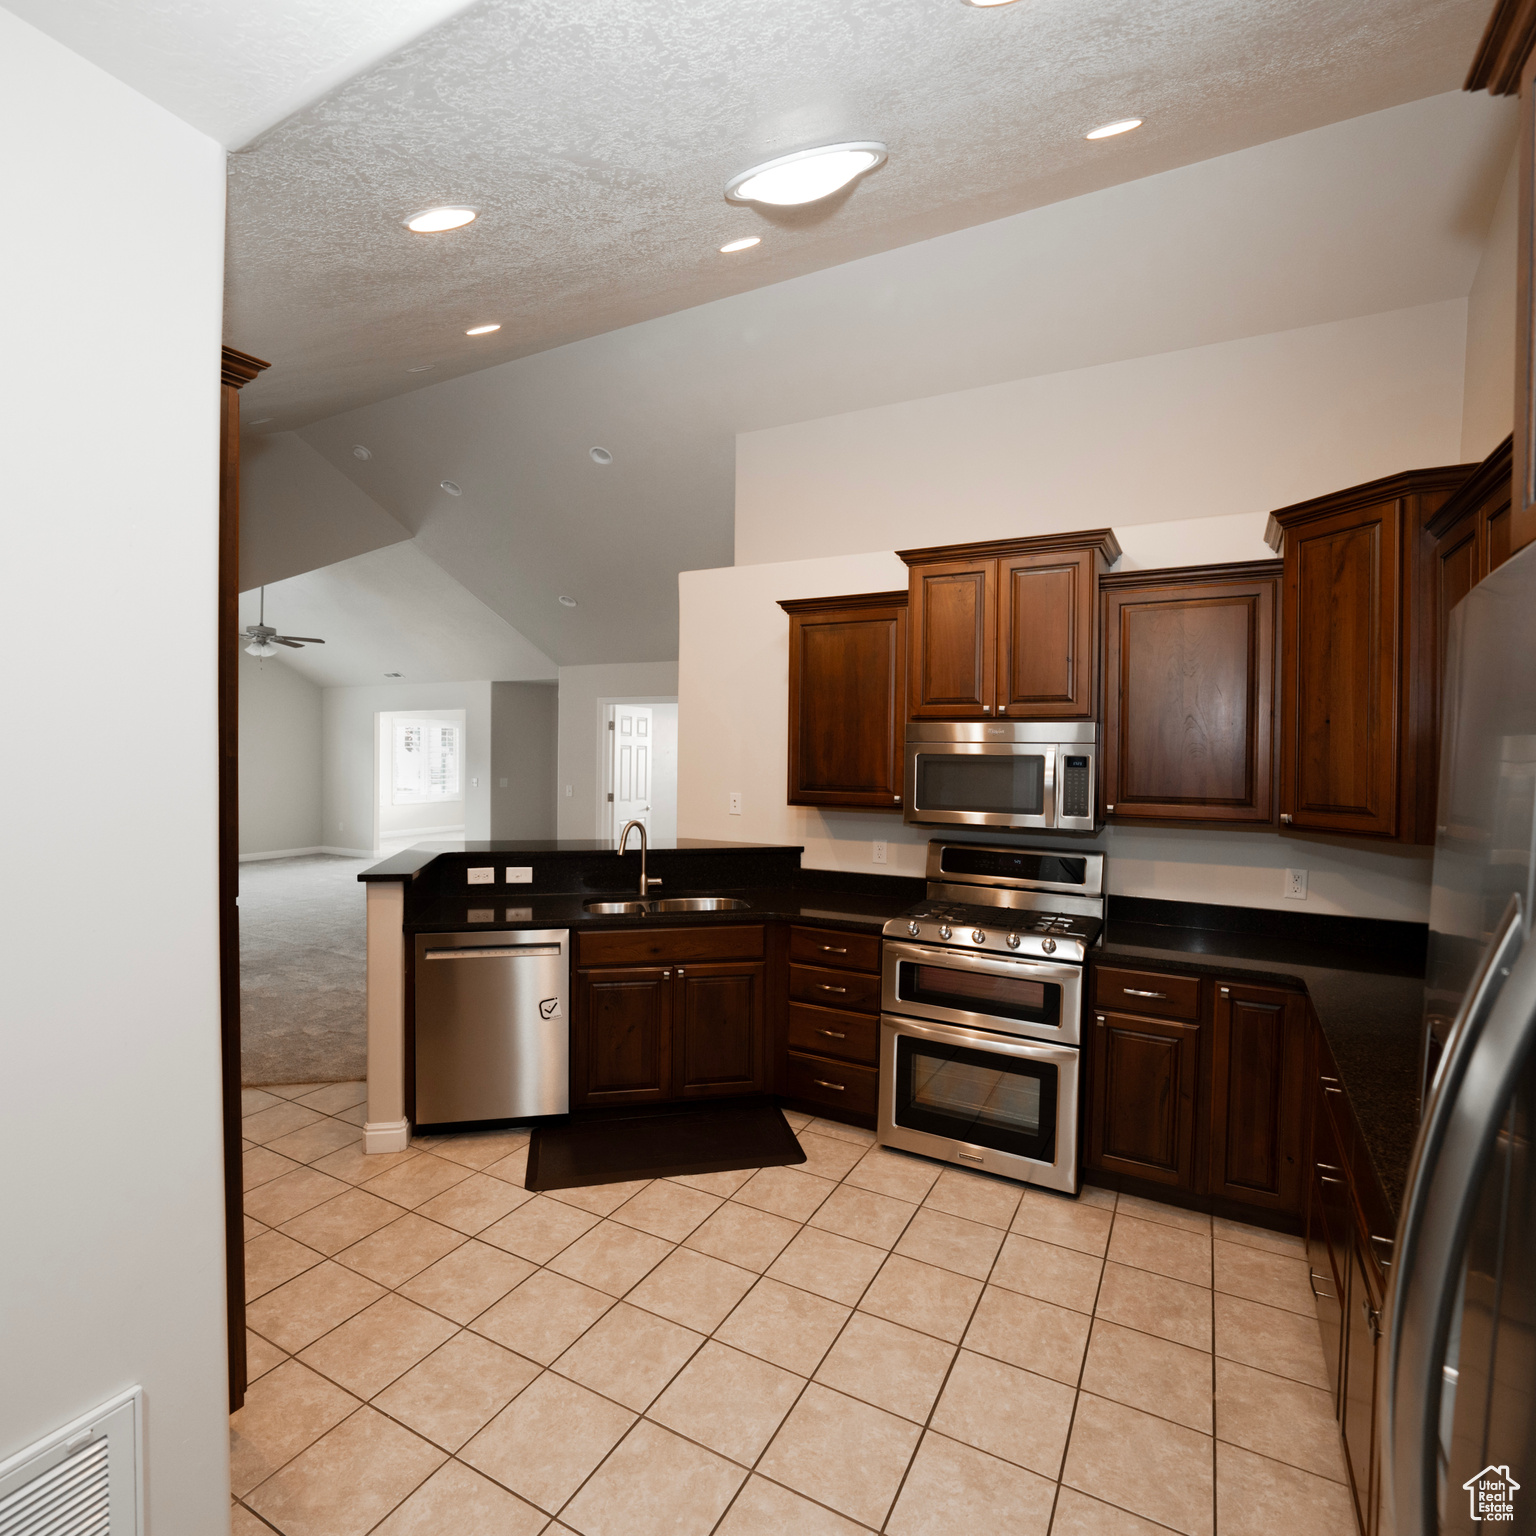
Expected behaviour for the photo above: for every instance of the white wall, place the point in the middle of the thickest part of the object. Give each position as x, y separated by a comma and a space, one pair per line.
663, 827
1488, 412
445, 816
1238, 426
524, 751
111, 1197
733, 682
581, 690
350, 756
279, 759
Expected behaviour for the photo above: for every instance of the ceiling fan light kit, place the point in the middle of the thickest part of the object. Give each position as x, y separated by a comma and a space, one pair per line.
265, 640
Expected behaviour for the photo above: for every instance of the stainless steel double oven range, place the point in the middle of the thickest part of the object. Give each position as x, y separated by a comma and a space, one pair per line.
981, 1010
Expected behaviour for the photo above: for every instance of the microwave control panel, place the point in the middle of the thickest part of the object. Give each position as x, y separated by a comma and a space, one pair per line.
1076, 787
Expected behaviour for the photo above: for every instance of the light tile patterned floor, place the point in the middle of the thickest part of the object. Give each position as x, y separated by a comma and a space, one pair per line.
867, 1341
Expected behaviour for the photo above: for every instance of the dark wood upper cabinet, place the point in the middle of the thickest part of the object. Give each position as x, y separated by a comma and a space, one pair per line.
718, 1043
1258, 1085
847, 699
1353, 715
1143, 1079
953, 614
1189, 690
1006, 629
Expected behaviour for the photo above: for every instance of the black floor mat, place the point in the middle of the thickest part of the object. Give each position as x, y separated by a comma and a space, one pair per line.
658, 1144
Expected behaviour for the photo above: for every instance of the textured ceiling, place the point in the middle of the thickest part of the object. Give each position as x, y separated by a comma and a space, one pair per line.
393, 610
597, 138
1378, 213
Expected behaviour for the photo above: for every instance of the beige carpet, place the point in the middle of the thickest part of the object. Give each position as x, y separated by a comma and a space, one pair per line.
303, 950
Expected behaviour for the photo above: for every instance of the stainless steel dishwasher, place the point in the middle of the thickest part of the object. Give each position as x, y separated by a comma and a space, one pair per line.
492, 1025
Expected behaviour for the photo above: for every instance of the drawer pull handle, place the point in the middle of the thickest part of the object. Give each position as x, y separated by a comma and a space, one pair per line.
1321, 1295
821, 1082
832, 949
1142, 992
832, 1034
1326, 1180
1328, 1082
1329, 1168
825, 988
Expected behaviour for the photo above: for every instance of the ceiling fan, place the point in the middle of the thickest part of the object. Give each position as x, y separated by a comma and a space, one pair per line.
265, 640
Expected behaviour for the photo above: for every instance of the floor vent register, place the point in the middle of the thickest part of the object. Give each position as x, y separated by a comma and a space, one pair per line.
82, 1480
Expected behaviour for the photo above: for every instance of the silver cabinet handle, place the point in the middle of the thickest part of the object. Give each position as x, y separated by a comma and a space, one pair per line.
1329, 1168
1372, 1318
825, 988
1285, 818
681, 971
821, 1082
665, 974
832, 1034
1325, 1180
1317, 1294
831, 949
1142, 992
1110, 809
501, 952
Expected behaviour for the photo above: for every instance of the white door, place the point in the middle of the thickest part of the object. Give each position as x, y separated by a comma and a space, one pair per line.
629, 775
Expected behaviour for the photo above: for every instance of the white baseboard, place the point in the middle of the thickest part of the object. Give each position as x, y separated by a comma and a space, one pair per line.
351, 853
386, 1135
415, 834
281, 853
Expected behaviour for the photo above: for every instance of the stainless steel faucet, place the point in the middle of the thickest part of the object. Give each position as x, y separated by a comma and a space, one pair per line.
645, 885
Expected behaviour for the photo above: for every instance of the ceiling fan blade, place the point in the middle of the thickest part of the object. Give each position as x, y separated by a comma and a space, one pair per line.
292, 645
307, 639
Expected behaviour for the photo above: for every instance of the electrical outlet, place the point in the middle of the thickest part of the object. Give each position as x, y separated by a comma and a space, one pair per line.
879, 851
503, 783
1295, 888
474, 783
735, 802
482, 877
520, 874
568, 789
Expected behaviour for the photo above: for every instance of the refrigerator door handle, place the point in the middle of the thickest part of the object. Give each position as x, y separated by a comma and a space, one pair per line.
1482, 1060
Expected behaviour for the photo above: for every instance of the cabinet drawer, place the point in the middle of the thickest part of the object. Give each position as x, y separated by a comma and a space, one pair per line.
851, 1090
1165, 997
653, 946
828, 1032
834, 989
830, 946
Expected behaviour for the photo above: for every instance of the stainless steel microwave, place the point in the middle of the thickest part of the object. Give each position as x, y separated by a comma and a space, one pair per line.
1034, 774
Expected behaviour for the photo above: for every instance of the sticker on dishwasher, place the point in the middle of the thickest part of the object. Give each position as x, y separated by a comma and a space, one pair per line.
550, 1008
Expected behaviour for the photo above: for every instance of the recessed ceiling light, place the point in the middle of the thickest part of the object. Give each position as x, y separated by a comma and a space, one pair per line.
1109, 130
567, 602
600, 456
433, 221
482, 330
421, 368
450, 487
744, 244
807, 176
359, 452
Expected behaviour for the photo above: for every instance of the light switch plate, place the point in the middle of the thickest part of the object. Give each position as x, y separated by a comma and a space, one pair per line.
482, 877
520, 874
519, 914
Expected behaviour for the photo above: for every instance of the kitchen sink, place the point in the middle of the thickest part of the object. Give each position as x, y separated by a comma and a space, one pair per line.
672, 904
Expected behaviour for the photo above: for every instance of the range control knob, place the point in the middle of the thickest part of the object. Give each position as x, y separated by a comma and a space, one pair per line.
914, 928
978, 936
945, 931
1049, 946
1013, 941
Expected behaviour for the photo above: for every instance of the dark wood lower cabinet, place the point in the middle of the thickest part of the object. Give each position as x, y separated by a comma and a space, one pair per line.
718, 1044
1144, 1074
1258, 1058
619, 1047
1362, 1359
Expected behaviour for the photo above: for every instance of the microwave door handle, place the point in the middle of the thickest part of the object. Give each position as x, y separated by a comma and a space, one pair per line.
1048, 794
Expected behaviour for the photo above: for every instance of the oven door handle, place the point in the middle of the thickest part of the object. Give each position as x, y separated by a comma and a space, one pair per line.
1021, 1046
1020, 967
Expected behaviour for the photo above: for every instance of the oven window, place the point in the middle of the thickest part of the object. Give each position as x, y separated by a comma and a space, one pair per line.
982, 1097
1019, 998
1005, 783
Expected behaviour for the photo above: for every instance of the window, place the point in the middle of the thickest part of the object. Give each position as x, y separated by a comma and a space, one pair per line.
426, 762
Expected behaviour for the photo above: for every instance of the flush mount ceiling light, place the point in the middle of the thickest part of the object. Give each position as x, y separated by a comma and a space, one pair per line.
567, 602
1109, 130
450, 487
435, 221
359, 452
482, 330
744, 244
599, 456
806, 176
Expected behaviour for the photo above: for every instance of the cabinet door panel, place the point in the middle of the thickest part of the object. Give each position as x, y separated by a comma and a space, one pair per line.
1327, 1292
1189, 700
847, 702
718, 1044
1258, 1048
620, 1042
1144, 1074
1045, 636
1342, 620
1361, 1356
953, 614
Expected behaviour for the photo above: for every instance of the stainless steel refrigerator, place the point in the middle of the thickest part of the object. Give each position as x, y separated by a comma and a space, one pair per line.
1459, 1405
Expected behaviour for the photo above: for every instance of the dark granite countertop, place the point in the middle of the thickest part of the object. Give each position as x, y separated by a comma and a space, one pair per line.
1366, 984
551, 851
